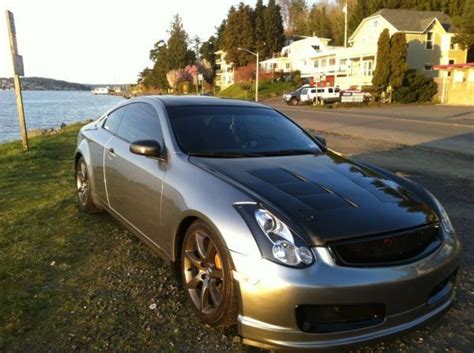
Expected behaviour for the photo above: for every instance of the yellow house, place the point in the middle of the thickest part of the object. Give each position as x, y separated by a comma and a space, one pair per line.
429, 35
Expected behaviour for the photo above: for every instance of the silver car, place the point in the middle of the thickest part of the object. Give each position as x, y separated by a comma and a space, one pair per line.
266, 228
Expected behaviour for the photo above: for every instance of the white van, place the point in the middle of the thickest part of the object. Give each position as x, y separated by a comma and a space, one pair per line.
327, 95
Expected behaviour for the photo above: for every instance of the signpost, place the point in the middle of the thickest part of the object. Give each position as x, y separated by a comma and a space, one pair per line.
17, 72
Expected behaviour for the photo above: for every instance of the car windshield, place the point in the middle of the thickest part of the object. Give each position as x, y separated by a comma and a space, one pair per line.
232, 132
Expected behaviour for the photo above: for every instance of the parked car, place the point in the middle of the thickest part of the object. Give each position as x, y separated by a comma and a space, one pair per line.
327, 95
267, 228
303, 94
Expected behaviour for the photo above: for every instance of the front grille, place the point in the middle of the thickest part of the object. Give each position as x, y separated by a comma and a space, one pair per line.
388, 249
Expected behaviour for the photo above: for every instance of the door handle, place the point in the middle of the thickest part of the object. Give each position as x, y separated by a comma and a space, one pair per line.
111, 152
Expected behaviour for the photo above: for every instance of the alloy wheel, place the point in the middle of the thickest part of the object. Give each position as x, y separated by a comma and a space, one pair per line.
82, 183
203, 272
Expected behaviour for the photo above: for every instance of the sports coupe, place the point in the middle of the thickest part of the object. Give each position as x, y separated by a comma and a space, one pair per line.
265, 227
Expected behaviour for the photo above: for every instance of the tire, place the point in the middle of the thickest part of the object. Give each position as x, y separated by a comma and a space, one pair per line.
85, 203
206, 273
294, 101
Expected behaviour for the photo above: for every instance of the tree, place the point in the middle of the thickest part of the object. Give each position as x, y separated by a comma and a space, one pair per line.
297, 14
466, 26
275, 36
178, 54
398, 60
220, 35
239, 33
260, 31
416, 88
381, 78
159, 55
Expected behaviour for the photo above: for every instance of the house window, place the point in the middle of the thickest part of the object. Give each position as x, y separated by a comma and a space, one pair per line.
287, 65
316, 63
428, 67
451, 61
323, 62
332, 61
367, 67
429, 40
315, 47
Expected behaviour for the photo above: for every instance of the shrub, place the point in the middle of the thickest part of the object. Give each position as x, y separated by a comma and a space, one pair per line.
416, 88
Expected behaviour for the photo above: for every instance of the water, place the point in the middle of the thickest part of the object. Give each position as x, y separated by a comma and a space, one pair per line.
44, 109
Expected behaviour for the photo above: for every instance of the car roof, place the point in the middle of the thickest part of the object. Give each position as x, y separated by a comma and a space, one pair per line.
176, 101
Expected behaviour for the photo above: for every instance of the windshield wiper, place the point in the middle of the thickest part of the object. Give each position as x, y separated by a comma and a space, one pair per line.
224, 154
289, 152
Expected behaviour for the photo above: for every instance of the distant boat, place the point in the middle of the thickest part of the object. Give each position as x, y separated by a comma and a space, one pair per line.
101, 91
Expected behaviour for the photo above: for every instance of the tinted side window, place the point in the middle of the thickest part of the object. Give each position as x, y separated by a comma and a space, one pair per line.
113, 120
305, 91
313, 91
330, 90
141, 122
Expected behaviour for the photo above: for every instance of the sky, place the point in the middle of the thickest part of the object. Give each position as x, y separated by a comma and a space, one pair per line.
102, 41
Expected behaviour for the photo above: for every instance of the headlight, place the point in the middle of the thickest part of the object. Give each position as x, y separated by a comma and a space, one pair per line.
445, 221
274, 238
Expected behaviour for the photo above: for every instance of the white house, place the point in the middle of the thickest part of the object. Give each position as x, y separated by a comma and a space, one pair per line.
312, 56
224, 71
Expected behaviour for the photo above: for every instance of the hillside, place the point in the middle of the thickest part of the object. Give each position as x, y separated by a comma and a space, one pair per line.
43, 84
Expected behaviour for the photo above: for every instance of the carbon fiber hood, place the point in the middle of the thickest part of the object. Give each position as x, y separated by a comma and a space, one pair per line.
327, 197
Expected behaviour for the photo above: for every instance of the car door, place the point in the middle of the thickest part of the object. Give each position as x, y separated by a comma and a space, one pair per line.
304, 95
106, 129
134, 182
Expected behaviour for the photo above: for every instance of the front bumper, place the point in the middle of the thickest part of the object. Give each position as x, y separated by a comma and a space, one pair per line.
270, 294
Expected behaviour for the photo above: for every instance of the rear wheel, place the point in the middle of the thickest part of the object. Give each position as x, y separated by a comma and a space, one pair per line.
83, 189
207, 276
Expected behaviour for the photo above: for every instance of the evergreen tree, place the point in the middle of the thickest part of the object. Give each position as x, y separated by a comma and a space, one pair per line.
220, 35
207, 51
466, 27
381, 78
297, 12
260, 33
398, 60
239, 33
178, 54
159, 55
275, 37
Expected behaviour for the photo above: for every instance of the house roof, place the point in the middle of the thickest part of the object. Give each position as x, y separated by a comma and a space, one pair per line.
454, 66
415, 21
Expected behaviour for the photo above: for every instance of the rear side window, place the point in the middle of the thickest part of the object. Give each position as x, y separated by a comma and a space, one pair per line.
141, 122
313, 91
113, 120
330, 90
320, 90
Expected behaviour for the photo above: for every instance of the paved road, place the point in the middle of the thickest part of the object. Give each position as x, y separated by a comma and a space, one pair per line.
441, 127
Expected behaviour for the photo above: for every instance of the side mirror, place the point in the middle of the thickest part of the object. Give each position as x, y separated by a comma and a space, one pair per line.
148, 148
321, 140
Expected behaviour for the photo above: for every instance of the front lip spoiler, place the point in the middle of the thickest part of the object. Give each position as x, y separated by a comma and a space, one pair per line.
351, 342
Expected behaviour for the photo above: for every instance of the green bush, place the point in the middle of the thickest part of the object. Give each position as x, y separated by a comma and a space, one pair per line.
416, 88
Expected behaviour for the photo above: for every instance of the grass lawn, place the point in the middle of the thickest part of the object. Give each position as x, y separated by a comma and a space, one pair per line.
75, 282
267, 89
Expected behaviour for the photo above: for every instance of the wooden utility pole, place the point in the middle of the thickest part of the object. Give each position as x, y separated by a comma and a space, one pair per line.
17, 72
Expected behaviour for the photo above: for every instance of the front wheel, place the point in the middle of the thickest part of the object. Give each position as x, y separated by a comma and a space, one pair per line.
207, 276
294, 101
83, 189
